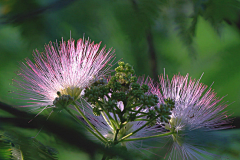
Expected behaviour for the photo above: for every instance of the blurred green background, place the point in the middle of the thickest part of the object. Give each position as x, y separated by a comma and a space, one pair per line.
186, 36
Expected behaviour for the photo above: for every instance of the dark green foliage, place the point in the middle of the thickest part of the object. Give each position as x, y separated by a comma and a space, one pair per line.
184, 15
5, 149
17, 146
221, 10
30, 16
68, 134
21, 14
137, 101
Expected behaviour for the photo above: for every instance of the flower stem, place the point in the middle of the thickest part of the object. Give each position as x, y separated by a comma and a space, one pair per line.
141, 119
142, 138
140, 116
116, 120
112, 124
80, 122
89, 123
138, 129
105, 118
111, 120
115, 136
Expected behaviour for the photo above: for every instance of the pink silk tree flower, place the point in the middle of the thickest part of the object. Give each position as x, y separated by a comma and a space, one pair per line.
66, 69
197, 111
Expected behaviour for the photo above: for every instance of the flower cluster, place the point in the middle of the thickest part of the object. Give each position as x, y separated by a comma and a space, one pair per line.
122, 110
125, 98
125, 108
65, 69
197, 110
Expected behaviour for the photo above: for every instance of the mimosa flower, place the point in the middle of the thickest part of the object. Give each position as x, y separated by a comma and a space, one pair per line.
197, 111
61, 70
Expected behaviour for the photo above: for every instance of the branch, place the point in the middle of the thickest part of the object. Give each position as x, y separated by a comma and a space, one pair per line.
60, 127
20, 17
151, 48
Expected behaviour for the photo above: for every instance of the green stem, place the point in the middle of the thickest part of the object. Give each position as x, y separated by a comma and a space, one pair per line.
116, 120
135, 105
141, 119
89, 123
117, 108
139, 112
140, 116
130, 134
109, 117
111, 120
115, 136
80, 122
142, 138
106, 120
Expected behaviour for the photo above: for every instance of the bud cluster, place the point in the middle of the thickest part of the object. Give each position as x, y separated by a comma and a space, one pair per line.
62, 101
125, 97
165, 109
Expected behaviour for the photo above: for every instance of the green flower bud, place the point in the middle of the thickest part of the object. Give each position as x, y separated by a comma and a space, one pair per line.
121, 63
144, 87
96, 111
62, 101
133, 79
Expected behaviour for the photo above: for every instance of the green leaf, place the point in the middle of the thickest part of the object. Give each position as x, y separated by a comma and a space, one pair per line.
20, 147
5, 149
